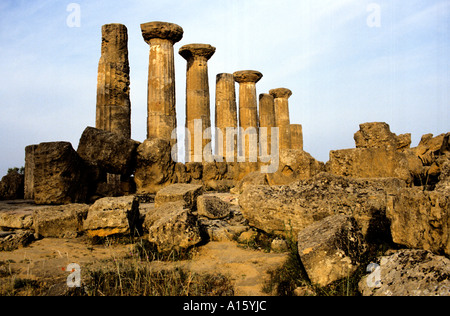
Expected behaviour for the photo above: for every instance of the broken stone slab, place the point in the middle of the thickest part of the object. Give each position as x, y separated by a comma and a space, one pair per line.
212, 207
111, 152
10, 241
225, 229
409, 272
281, 209
112, 216
375, 163
59, 175
65, 221
155, 168
379, 135
186, 193
331, 249
16, 219
421, 219
172, 226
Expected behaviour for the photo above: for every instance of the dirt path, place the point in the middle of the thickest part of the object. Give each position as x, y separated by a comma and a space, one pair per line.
46, 260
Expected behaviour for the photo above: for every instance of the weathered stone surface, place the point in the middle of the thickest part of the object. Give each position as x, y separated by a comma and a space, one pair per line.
10, 241
197, 99
278, 209
294, 165
162, 117
409, 273
172, 226
112, 153
248, 110
375, 163
431, 147
154, 167
64, 221
112, 216
331, 249
16, 219
379, 135
113, 87
29, 172
421, 219
59, 174
297, 136
282, 118
266, 120
186, 193
12, 186
226, 116
226, 229
212, 207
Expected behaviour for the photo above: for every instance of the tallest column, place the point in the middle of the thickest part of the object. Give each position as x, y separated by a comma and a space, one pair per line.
162, 117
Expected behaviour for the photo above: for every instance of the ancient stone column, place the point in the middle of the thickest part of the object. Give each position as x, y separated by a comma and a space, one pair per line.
296, 136
226, 115
162, 118
267, 121
113, 84
282, 119
248, 109
197, 99
29, 172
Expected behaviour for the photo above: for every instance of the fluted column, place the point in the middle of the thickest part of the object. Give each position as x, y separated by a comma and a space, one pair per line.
282, 119
248, 108
113, 112
267, 121
226, 115
296, 136
162, 118
197, 98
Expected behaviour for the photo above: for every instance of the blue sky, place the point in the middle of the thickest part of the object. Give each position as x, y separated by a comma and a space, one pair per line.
342, 72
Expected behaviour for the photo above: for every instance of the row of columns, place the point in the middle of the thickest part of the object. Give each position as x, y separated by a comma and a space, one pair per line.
162, 121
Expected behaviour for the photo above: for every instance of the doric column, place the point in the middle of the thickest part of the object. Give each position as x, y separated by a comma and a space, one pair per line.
266, 120
29, 172
226, 115
162, 118
113, 85
197, 98
296, 136
282, 119
248, 109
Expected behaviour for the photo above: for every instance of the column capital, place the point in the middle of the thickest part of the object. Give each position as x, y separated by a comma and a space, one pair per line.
247, 76
163, 30
197, 50
281, 93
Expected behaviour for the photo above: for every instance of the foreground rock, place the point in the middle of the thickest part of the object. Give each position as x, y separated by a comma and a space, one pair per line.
186, 193
421, 219
409, 273
331, 249
112, 216
111, 152
279, 209
172, 226
59, 175
154, 167
64, 221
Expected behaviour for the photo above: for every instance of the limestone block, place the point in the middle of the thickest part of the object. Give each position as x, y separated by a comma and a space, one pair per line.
64, 221
421, 219
186, 193
408, 272
212, 207
59, 174
172, 226
112, 153
155, 168
331, 249
112, 216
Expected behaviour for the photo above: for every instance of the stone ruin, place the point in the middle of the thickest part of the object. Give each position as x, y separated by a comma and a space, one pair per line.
381, 191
